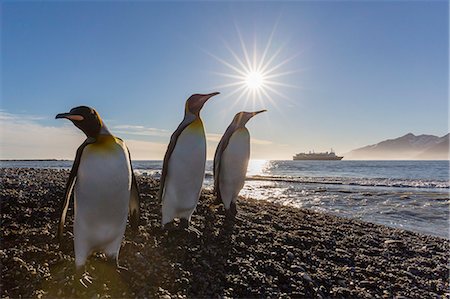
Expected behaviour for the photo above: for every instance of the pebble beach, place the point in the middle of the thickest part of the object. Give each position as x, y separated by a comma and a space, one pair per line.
269, 251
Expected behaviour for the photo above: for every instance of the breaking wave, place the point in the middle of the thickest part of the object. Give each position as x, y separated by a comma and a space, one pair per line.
373, 182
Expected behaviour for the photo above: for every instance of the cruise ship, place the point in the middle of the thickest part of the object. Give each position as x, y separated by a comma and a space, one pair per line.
317, 156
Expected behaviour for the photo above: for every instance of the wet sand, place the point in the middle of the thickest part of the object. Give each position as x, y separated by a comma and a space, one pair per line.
270, 250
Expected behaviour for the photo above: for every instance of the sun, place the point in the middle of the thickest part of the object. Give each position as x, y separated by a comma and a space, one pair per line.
254, 80
257, 76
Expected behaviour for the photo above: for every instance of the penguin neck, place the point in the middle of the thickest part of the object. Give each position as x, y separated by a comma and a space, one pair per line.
103, 134
190, 117
104, 138
234, 127
104, 130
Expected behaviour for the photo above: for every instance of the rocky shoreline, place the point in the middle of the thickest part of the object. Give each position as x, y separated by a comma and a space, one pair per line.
270, 251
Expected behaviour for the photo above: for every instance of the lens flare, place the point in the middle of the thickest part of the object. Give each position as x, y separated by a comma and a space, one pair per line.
255, 75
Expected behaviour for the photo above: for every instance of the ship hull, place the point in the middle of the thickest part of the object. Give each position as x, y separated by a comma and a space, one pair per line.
318, 159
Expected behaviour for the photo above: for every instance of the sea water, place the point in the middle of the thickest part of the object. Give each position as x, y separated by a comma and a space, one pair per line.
411, 195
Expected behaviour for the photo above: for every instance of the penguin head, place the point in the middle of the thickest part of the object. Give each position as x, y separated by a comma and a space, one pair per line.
84, 118
196, 101
241, 118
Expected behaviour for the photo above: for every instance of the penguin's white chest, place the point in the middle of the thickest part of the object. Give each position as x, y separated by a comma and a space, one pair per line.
185, 173
102, 192
233, 166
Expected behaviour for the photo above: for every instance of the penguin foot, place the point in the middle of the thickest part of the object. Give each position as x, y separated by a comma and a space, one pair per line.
112, 261
217, 201
83, 278
230, 215
233, 209
122, 268
184, 225
123, 273
63, 244
192, 230
168, 227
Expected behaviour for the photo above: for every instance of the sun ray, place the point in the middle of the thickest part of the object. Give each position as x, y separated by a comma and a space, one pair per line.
230, 85
236, 57
230, 75
244, 49
280, 94
276, 75
271, 100
264, 93
276, 92
235, 91
257, 78
280, 64
259, 96
268, 45
271, 58
254, 55
247, 96
275, 83
227, 64
241, 96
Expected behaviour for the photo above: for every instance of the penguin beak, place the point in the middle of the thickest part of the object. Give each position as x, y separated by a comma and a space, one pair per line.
69, 116
62, 115
258, 112
196, 106
206, 97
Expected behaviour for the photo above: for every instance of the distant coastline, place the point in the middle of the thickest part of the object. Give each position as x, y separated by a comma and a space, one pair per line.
407, 147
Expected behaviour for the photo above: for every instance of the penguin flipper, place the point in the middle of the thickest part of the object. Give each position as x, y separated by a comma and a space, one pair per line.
69, 187
169, 151
135, 199
218, 157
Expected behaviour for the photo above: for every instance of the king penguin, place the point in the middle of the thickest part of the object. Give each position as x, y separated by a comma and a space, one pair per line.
105, 190
231, 161
184, 165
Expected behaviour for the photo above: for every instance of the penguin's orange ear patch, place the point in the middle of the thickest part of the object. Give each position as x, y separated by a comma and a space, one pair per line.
75, 117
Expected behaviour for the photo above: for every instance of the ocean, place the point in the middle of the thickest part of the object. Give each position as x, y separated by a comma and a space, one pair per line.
411, 195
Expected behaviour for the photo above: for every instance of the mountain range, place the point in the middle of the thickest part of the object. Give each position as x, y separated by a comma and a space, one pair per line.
407, 147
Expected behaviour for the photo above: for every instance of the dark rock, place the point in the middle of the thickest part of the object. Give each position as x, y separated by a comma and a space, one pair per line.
290, 256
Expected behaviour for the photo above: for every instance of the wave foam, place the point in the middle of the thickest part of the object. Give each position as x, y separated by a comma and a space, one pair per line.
373, 182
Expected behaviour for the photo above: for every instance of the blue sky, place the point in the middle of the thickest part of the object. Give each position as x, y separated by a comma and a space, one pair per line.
358, 72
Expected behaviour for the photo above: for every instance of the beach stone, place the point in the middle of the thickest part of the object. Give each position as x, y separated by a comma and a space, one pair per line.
290, 256
342, 251
415, 271
394, 242
365, 283
306, 277
297, 268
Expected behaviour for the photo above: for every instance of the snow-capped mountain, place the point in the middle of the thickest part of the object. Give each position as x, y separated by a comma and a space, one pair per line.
407, 147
